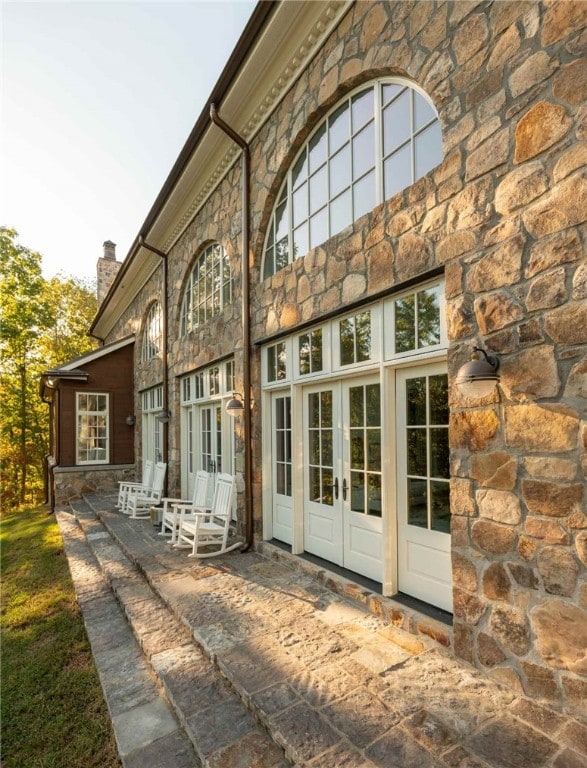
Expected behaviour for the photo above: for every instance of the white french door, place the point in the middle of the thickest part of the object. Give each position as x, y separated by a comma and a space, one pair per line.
203, 444
342, 474
423, 504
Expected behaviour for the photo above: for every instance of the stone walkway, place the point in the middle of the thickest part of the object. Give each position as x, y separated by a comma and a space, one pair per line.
242, 661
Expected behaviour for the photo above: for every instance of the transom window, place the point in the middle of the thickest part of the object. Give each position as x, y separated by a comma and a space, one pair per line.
355, 338
216, 381
152, 333
92, 445
380, 140
276, 362
209, 289
310, 352
417, 321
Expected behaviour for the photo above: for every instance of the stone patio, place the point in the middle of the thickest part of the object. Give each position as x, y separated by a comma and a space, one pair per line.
244, 661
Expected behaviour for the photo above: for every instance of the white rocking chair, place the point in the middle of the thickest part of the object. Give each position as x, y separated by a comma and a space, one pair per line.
173, 508
210, 526
139, 503
145, 485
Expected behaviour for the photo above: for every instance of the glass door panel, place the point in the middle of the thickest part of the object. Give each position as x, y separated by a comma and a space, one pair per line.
424, 567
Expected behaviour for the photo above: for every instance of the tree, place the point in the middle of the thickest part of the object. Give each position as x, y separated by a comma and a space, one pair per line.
74, 305
42, 324
25, 314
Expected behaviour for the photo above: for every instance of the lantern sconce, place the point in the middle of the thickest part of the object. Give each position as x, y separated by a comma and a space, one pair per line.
235, 405
164, 416
130, 420
478, 377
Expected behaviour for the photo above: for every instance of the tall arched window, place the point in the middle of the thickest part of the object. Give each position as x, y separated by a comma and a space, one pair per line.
379, 140
152, 333
208, 290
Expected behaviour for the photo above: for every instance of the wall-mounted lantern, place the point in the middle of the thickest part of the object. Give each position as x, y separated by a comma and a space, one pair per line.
478, 377
130, 420
163, 416
235, 405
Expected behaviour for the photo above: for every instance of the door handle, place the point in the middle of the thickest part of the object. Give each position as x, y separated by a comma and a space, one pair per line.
344, 489
335, 486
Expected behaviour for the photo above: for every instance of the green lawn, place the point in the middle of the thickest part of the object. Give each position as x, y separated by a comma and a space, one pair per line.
53, 710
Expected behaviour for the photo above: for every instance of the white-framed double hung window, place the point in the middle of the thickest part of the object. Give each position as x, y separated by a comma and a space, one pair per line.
92, 428
152, 333
208, 289
379, 140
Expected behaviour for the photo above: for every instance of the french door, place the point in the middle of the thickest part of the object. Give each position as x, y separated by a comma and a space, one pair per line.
342, 474
203, 444
423, 505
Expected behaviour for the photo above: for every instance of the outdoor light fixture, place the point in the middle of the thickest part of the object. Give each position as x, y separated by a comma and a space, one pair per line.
130, 420
478, 378
235, 405
163, 416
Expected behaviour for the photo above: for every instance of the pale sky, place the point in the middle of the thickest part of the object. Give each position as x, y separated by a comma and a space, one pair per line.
97, 99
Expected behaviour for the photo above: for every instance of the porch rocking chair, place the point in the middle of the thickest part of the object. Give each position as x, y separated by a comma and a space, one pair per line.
145, 485
210, 527
174, 508
139, 503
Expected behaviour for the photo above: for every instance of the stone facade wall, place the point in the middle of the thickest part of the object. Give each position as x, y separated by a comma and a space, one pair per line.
504, 216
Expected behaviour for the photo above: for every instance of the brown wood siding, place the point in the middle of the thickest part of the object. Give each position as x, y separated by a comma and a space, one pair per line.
112, 375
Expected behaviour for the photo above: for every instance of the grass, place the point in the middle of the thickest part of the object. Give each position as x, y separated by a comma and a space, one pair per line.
53, 709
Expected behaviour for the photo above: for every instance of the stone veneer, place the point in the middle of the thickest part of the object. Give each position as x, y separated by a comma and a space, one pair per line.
70, 483
504, 216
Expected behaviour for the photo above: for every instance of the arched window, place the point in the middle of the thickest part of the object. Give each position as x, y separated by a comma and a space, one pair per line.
378, 141
208, 290
152, 333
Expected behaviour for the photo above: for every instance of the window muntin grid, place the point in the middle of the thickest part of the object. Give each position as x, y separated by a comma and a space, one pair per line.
152, 333
375, 143
92, 416
209, 289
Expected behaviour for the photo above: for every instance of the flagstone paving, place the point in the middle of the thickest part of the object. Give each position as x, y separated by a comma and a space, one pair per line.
242, 661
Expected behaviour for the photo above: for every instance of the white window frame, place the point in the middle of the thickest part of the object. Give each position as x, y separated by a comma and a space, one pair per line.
376, 332
265, 372
152, 342
104, 431
280, 232
389, 322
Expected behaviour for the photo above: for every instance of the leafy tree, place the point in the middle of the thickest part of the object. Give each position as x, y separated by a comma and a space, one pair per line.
74, 305
42, 324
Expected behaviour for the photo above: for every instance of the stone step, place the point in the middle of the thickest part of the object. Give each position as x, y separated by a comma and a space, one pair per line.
206, 711
146, 730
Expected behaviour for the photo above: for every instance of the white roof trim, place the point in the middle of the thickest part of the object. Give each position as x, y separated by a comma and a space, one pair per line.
96, 354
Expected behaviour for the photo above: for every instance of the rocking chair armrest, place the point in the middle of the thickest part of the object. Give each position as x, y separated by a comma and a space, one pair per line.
167, 501
196, 509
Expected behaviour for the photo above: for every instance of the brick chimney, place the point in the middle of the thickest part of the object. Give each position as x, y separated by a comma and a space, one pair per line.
107, 268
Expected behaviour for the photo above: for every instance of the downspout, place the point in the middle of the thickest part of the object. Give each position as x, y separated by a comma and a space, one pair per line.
245, 290
143, 244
